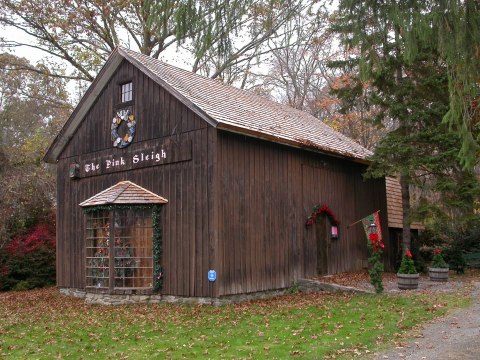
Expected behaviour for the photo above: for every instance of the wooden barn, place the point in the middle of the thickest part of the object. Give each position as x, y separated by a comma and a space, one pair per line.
168, 180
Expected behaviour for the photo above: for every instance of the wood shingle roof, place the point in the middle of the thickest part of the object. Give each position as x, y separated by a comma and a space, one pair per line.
394, 205
124, 193
246, 112
223, 107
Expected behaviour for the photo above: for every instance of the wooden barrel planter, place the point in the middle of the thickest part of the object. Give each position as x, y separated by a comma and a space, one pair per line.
438, 274
407, 281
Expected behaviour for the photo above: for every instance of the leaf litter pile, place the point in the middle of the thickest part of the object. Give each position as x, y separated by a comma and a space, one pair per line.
42, 324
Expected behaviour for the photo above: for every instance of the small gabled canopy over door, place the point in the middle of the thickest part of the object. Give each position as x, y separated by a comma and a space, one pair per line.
122, 228
124, 193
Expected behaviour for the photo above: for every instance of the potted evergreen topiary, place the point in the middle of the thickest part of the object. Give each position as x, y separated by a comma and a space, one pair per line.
407, 276
438, 271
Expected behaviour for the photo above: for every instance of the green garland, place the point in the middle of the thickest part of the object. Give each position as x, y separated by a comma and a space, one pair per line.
91, 209
319, 210
158, 271
376, 267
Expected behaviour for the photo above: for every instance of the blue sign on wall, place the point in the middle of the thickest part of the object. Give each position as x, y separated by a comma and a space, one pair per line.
212, 275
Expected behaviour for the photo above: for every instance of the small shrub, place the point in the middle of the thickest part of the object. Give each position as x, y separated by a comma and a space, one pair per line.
294, 289
438, 261
22, 286
418, 257
407, 266
455, 259
28, 260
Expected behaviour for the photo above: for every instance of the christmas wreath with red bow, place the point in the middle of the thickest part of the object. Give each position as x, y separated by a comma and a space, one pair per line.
322, 210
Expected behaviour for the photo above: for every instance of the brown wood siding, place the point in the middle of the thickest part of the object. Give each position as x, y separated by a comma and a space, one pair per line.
266, 191
184, 219
186, 184
158, 114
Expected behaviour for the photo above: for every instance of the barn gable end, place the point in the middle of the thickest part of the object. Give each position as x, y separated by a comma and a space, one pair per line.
168, 156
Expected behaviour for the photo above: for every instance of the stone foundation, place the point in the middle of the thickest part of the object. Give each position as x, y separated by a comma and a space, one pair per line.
303, 285
73, 292
113, 299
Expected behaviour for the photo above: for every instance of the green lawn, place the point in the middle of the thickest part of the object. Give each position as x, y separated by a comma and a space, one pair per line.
42, 324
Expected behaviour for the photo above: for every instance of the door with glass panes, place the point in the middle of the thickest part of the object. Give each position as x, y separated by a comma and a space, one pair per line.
119, 254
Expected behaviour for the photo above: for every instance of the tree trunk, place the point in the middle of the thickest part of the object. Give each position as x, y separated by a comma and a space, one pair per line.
404, 177
406, 233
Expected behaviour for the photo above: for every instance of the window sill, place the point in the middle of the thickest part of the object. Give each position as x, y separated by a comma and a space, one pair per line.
124, 104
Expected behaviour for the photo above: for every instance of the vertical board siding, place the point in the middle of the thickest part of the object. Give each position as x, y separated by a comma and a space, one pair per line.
184, 269
155, 111
184, 219
214, 247
266, 192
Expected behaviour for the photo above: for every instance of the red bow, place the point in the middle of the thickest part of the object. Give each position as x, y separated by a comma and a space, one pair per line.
376, 242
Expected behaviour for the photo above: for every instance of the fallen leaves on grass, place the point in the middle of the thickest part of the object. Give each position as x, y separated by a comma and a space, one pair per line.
44, 324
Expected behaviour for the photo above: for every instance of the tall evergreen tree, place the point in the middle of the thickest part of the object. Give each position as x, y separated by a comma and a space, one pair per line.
409, 86
456, 32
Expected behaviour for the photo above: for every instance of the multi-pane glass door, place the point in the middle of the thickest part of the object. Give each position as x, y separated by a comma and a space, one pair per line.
119, 249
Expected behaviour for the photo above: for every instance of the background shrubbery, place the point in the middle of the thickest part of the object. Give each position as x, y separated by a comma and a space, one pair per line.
460, 243
33, 107
28, 260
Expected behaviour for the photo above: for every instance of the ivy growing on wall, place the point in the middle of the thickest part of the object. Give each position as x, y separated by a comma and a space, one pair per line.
157, 250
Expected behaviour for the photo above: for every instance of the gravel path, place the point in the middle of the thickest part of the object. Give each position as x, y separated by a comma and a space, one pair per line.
456, 336
361, 280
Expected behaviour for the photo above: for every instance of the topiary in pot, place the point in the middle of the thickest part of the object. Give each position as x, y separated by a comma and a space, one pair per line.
407, 276
439, 269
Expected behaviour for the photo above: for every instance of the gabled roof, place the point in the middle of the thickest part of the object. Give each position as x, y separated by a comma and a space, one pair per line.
222, 106
124, 193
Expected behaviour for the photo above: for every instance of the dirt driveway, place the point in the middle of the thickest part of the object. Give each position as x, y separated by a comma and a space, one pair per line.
456, 336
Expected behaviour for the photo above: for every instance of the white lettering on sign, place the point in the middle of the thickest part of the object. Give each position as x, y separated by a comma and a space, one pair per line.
91, 167
153, 156
112, 163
